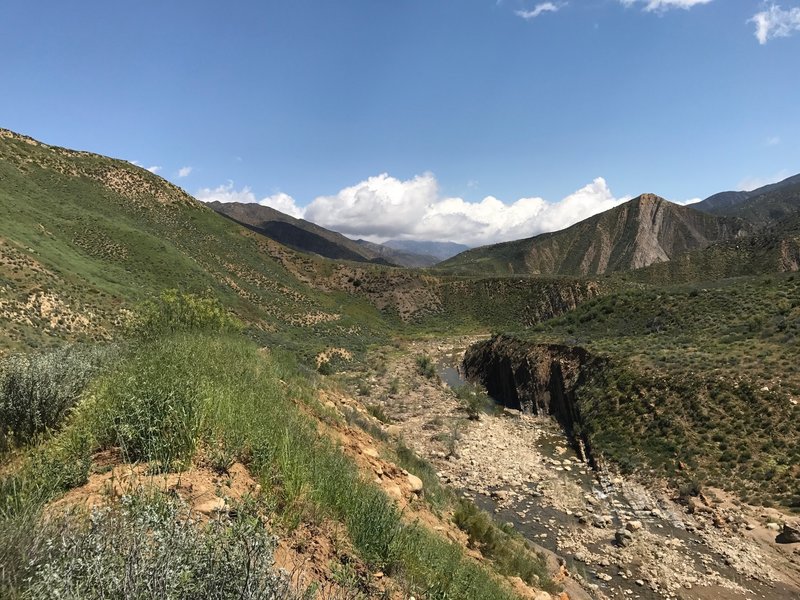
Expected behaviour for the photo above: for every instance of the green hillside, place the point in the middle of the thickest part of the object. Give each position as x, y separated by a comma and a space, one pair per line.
706, 375
168, 387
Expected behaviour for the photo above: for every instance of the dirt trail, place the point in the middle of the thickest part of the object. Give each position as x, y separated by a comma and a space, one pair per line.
618, 537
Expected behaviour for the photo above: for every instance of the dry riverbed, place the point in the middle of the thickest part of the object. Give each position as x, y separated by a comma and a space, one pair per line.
616, 537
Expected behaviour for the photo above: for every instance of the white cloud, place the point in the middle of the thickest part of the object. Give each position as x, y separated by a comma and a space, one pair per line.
775, 22
384, 207
751, 183
153, 169
539, 9
773, 141
284, 203
184, 171
227, 193
664, 5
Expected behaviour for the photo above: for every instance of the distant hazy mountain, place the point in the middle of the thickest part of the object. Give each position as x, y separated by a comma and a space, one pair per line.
440, 250
398, 257
640, 232
306, 236
762, 207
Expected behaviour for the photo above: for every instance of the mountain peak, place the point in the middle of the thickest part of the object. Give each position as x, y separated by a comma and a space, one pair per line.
648, 198
645, 230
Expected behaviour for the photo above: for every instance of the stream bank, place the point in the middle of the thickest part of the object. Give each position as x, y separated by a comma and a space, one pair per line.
617, 537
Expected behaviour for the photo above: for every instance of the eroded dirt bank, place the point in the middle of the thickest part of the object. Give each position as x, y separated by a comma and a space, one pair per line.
617, 537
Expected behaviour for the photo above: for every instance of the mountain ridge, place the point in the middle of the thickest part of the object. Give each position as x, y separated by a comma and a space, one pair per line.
640, 232
762, 207
306, 236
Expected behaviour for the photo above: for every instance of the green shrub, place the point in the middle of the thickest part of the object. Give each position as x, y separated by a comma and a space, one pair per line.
38, 390
152, 548
508, 551
377, 411
175, 311
425, 366
473, 400
151, 407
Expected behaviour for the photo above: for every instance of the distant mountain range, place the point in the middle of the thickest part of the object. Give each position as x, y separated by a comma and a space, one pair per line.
440, 250
643, 231
761, 207
305, 236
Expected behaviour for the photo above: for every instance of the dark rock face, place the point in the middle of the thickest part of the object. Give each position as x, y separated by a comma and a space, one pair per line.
789, 535
538, 379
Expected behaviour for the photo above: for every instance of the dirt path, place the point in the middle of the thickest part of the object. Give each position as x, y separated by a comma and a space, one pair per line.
618, 538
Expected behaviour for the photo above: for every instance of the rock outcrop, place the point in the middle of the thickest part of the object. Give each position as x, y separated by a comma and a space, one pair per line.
538, 379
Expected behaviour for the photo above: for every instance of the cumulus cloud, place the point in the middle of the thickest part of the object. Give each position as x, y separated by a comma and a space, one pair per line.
664, 5
227, 193
775, 22
539, 9
153, 169
384, 207
184, 171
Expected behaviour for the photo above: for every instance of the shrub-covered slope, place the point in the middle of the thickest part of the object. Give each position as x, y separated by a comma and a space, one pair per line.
696, 382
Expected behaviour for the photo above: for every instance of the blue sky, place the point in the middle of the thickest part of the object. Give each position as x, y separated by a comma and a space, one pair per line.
417, 113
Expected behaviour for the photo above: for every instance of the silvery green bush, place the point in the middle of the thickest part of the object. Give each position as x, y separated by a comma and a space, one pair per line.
151, 547
37, 390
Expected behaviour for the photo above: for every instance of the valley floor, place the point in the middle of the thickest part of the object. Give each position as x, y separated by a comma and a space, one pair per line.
615, 537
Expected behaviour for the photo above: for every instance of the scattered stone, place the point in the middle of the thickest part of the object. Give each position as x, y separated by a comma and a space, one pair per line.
623, 538
370, 452
633, 525
212, 507
501, 495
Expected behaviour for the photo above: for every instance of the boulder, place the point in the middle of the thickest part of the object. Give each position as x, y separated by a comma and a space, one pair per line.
414, 483
212, 507
370, 452
623, 538
633, 525
789, 535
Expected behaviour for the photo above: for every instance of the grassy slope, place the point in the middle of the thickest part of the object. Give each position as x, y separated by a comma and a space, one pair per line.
168, 397
87, 237
97, 249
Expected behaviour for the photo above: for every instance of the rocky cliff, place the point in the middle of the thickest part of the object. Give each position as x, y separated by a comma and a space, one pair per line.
538, 379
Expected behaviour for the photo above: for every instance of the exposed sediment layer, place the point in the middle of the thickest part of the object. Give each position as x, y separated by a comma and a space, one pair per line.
539, 379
